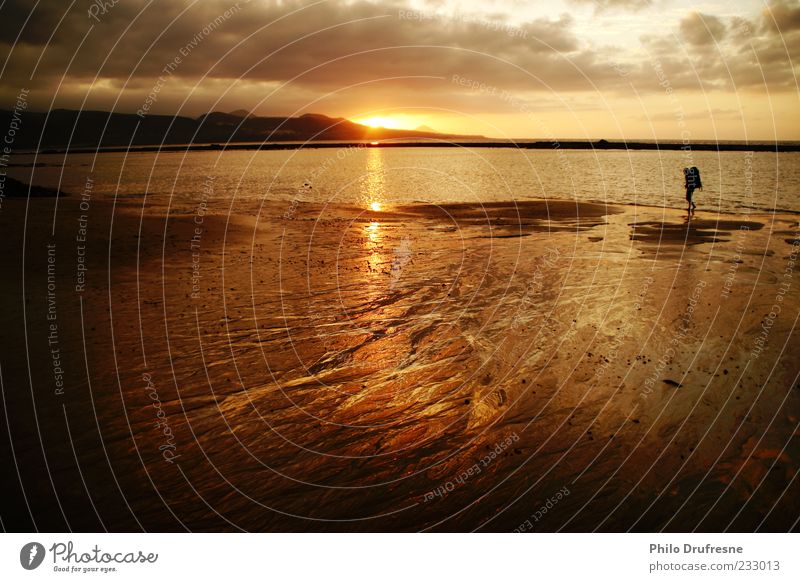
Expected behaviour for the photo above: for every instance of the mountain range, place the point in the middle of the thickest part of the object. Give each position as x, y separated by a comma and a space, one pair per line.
63, 128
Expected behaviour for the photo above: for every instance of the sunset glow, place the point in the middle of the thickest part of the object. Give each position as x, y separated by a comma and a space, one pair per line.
577, 69
378, 121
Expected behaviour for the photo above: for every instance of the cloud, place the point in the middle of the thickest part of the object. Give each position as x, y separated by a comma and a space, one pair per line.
284, 57
322, 48
716, 113
702, 29
607, 5
782, 16
729, 54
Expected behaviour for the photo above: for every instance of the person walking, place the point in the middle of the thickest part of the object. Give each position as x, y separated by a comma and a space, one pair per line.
692, 179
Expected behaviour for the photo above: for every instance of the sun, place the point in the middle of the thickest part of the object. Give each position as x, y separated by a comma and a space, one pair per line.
379, 121
375, 206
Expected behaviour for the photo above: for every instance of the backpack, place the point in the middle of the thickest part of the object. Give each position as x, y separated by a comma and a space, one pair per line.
693, 177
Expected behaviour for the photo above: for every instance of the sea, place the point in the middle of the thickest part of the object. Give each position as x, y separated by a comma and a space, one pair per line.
733, 182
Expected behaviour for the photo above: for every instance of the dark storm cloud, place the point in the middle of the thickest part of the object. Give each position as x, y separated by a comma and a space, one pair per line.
322, 47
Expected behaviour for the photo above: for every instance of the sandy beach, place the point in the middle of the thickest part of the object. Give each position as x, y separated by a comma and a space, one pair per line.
536, 366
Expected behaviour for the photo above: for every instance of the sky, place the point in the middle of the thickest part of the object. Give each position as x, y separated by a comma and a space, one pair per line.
555, 69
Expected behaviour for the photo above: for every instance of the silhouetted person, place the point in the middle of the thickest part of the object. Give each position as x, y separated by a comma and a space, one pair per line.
692, 176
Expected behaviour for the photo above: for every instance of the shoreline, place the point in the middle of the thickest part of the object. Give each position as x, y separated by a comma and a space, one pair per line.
602, 145
20, 190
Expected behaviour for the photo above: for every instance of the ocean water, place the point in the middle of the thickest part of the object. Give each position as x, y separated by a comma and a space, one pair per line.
734, 182
331, 374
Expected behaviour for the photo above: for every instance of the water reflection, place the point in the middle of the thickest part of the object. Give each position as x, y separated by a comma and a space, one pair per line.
374, 193
375, 183
374, 247
373, 231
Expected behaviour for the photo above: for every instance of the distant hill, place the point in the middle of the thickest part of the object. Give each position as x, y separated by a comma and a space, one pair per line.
92, 129
241, 113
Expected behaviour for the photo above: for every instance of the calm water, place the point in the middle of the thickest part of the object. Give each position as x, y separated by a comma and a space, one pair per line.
329, 374
734, 181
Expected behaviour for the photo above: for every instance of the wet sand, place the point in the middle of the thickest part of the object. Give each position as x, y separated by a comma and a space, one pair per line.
541, 366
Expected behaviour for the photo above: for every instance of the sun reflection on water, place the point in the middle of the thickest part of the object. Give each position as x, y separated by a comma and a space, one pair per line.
374, 194
374, 244
375, 183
